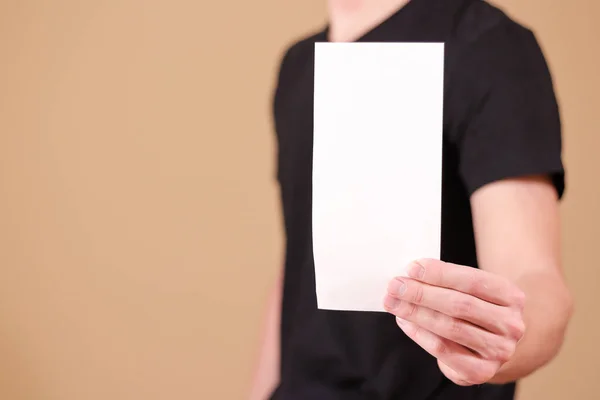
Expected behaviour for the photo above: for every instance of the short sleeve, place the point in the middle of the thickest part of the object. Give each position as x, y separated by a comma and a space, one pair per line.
276, 99
512, 127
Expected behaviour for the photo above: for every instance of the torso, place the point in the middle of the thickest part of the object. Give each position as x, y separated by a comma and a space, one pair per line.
350, 355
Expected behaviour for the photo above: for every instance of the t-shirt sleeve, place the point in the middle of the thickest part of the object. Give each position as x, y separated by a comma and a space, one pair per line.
512, 127
280, 79
280, 95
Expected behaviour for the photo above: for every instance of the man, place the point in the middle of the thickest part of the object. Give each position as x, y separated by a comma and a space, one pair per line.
496, 307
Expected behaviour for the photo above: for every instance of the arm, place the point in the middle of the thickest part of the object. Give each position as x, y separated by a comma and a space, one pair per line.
267, 370
517, 234
504, 320
473, 320
266, 374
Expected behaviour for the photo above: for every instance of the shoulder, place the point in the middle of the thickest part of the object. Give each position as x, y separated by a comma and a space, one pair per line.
500, 107
297, 55
479, 21
294, 61
489, 53
484, 37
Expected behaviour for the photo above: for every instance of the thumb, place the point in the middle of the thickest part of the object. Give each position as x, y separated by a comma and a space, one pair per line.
452, 375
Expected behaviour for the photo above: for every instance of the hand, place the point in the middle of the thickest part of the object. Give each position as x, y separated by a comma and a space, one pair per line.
470, 320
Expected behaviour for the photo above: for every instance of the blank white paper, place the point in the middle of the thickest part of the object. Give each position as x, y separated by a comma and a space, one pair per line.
377, 167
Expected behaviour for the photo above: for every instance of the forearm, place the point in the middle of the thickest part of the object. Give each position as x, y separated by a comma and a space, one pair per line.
517, 229
547, 310
266, 375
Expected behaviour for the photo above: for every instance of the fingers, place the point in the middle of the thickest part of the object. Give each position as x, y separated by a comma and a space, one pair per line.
463, 367
459, 305
478, 283
488, 345
470, 320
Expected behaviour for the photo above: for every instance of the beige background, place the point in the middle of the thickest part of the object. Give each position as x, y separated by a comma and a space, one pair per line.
139, 218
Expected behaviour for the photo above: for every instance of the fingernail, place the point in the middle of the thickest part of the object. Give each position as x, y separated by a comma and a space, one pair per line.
391, 303
397, 286
416, 271
400, 321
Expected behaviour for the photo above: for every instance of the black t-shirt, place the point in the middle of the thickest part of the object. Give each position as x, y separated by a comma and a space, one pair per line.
501, 120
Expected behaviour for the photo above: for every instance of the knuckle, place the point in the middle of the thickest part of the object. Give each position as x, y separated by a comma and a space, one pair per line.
478, 285
462, 307
515, 327
505, 351
433, 318
419, 294
440, 348
487, 351
412, 310
406, 310
456, 327
417, 333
